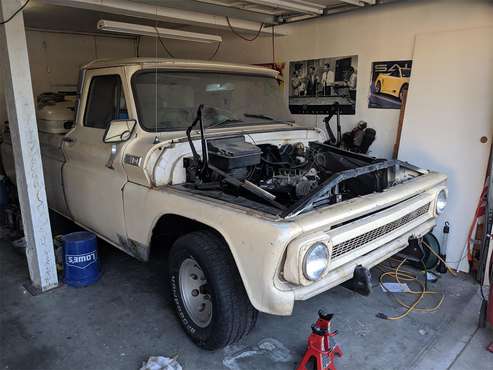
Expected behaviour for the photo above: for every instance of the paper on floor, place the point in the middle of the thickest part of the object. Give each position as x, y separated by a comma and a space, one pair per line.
395, 287
161, 363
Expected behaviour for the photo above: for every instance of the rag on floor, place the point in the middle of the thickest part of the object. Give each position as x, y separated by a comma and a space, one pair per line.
161, 363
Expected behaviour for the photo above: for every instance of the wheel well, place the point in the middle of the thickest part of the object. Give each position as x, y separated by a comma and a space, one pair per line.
404, 86
170, 227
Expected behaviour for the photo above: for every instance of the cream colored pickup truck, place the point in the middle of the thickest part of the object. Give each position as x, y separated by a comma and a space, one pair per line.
203, 160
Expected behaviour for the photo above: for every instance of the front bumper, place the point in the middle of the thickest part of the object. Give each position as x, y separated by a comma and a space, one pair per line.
345, 272
365, 241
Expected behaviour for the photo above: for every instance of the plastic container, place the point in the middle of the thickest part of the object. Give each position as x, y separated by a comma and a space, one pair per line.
81, 266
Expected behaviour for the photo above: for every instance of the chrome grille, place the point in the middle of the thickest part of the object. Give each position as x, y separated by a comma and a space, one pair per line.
359, 241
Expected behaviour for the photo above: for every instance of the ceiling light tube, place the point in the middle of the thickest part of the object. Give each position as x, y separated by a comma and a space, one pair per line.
297, 6
167, 33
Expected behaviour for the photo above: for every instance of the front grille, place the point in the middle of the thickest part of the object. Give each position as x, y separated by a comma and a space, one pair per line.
363, 239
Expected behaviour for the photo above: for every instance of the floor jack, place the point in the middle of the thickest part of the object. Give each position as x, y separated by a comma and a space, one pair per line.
320, 354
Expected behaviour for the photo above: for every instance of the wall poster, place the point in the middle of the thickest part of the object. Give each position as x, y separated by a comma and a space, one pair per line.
316, 85
389, 80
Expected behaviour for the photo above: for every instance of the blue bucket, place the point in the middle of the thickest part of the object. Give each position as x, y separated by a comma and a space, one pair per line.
81, 265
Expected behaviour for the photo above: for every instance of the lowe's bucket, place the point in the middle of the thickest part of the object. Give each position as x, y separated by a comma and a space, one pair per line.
81, 265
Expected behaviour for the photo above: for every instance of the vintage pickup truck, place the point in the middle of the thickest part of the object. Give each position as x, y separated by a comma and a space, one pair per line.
203, 160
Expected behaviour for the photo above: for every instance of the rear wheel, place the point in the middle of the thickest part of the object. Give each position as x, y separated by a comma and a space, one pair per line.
207, 291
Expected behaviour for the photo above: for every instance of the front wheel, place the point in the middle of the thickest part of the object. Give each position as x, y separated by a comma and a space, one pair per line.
207, 291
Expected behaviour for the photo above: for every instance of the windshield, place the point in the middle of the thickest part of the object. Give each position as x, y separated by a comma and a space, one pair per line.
169, 100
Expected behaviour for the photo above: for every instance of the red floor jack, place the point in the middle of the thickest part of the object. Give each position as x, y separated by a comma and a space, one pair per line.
320, 354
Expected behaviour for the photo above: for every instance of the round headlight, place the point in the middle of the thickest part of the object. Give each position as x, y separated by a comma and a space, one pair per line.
441, 201
315, 261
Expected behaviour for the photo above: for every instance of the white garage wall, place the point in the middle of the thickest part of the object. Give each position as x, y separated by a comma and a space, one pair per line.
385, 32
55, 59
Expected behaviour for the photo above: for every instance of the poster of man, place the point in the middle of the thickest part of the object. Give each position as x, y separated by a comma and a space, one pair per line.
389, 83
315, 85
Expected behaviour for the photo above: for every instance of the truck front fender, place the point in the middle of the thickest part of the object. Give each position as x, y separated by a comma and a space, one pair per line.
256, 242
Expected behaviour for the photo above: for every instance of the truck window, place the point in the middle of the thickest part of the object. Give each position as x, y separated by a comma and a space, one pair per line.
105, 101
169, 100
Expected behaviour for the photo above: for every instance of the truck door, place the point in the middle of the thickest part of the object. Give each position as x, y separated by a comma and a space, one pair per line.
93, 175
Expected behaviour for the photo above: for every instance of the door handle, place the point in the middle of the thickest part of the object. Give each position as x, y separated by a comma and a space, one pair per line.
68, 139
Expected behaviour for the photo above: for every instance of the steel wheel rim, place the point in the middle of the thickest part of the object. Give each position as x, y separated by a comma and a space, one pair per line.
194, 292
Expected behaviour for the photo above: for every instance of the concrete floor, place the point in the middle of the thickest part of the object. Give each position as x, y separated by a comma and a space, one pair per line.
125, 318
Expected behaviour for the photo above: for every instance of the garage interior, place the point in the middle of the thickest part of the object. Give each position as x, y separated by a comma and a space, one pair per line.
329, 64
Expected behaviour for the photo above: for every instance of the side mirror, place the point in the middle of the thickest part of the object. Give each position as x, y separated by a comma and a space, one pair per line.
119, 130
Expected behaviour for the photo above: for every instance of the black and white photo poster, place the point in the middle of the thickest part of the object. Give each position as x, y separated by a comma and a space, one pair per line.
315, 85
389, 82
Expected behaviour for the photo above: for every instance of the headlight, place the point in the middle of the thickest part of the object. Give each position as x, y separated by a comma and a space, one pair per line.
441, 201
315, 261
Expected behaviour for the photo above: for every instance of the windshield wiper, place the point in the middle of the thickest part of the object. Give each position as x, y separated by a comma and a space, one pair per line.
262, 116
226, 121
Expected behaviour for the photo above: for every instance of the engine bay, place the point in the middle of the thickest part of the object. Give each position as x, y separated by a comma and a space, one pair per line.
289, 177
284, 175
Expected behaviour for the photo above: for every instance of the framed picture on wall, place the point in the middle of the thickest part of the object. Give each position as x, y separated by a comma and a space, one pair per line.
317, 85
389, 82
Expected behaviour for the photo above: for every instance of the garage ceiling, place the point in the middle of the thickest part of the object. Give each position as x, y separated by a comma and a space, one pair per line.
287, 8
192, 15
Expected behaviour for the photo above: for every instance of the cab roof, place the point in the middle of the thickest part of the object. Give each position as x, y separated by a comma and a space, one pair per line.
182, 64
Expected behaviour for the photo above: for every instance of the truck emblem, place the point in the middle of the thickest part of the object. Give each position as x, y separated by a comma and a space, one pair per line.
132, 160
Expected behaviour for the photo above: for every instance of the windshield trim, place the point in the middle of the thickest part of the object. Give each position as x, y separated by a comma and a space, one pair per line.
167, 70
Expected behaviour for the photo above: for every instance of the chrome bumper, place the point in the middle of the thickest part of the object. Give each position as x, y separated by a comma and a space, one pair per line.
345, 271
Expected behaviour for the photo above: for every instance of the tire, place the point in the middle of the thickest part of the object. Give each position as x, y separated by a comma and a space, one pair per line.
378, 87
401, 91
219, 312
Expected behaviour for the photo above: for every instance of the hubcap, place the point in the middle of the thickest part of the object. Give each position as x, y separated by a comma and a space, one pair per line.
195, 293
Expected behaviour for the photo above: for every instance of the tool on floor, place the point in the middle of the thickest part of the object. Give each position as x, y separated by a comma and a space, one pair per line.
320, 353
441, 268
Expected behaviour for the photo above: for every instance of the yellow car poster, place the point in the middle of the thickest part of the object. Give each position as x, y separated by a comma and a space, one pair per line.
390, 80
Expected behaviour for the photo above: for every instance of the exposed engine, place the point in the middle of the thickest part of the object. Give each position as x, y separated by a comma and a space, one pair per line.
282, 174
286, 177
287, 172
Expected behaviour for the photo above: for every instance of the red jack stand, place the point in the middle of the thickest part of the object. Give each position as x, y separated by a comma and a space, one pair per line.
320, 352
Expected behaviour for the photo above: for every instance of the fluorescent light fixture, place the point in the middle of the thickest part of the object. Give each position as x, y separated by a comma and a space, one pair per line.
273, 7
167, 33
293, 5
